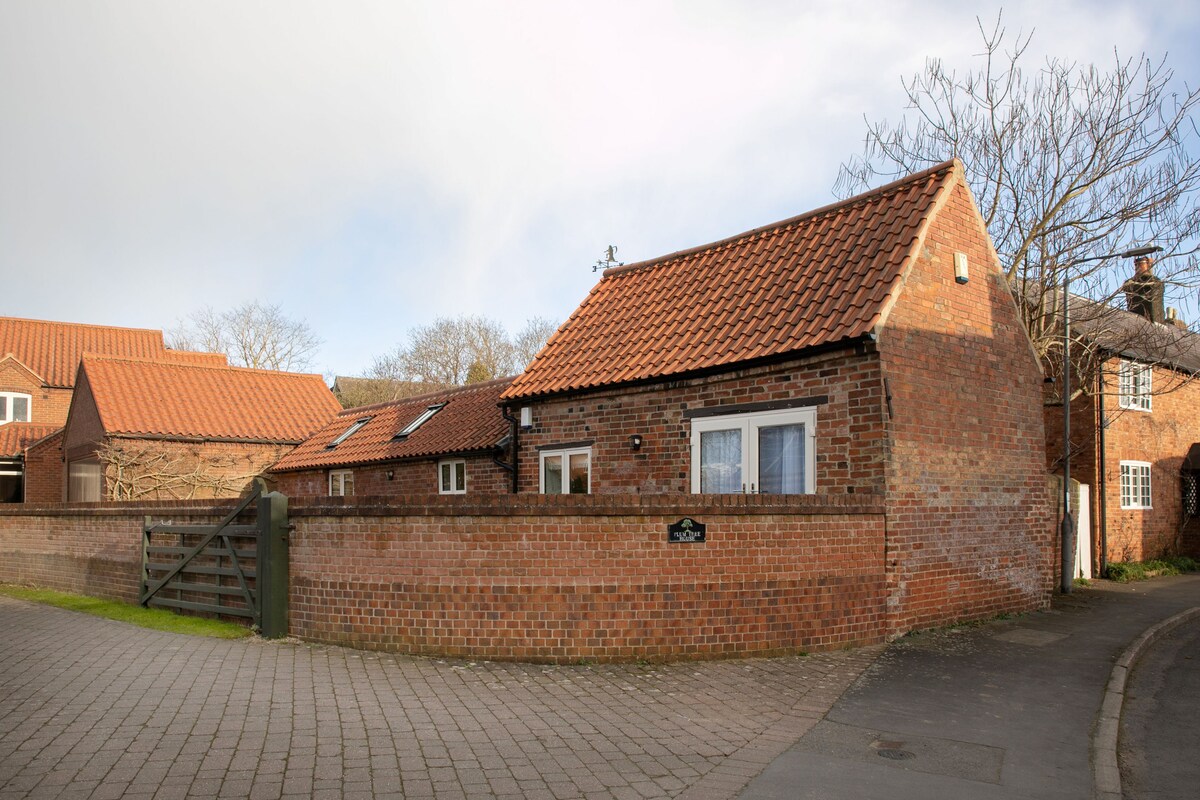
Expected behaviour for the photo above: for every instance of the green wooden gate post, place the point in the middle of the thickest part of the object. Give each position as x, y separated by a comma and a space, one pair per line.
273, 530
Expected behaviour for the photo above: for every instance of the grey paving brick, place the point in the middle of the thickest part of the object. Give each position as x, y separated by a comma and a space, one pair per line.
93, 707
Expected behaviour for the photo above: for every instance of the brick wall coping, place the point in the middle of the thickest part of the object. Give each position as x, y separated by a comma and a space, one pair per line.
598, 505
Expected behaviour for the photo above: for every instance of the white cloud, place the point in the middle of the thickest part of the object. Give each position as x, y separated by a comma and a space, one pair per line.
373, 165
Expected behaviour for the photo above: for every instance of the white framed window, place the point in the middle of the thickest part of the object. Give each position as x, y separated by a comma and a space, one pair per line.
452, 476
15, 407
341, 483
1135, 484
770, 452
1134, 386
567, 471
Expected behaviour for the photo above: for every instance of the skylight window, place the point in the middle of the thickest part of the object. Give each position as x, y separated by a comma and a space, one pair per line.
346, 434
419, 421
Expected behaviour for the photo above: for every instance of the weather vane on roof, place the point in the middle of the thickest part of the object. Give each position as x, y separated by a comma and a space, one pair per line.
609, 260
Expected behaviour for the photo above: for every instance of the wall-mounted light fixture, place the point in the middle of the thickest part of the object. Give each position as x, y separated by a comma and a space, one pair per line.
526, 417
635, 441
391, 474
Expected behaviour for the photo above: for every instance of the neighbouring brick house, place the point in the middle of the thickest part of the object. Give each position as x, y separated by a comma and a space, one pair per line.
871, 347
38, 363
446, 442
1135, 427
156, 429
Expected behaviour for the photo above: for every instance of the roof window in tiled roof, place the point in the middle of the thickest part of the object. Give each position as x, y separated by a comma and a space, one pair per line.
419, 421
346, 434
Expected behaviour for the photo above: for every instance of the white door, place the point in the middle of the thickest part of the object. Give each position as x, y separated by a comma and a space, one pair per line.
1083, 534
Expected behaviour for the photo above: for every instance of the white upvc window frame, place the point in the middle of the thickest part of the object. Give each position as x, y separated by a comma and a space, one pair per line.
449, 468
339, 478
1136, 487
1134, 386
7, 404
565, 454
749, 424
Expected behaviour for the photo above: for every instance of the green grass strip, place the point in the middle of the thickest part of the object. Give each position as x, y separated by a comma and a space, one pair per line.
155, 618
1127, 571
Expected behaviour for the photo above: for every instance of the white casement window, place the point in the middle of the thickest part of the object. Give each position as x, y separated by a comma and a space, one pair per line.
1134, 386
566, 471
764, 453
1135, 484
14, 407
341, 483
452, 477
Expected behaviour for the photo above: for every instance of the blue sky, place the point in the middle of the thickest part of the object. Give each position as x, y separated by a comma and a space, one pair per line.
372, 166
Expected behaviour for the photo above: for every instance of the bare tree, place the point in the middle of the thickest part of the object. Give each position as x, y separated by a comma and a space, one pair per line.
448, 352
529, 342
1066, 162
251, 335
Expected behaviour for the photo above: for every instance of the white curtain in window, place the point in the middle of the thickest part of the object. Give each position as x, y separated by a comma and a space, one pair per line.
553, 474
781, 459
721, 462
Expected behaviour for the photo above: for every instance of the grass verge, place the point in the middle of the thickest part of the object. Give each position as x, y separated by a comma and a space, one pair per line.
1127, 571
155, 618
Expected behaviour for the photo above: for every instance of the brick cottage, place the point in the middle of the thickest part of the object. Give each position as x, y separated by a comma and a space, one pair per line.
869, 348
1135, 426
38, 363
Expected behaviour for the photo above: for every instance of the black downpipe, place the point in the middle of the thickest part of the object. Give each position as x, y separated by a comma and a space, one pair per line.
513, 428
1102, 485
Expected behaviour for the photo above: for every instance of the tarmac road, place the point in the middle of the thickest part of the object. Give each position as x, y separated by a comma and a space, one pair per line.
1160, 727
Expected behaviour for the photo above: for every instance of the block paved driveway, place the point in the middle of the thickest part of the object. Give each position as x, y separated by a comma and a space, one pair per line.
99, 709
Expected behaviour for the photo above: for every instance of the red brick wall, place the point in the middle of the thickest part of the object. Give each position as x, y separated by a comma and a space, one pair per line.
1161, 437
84, 548
849, 446
44, 471
969, 528
86, 430
547, 579
46, 406
408, 478
228, 467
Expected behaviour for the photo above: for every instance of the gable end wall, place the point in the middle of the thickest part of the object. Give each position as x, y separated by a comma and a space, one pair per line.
969, 529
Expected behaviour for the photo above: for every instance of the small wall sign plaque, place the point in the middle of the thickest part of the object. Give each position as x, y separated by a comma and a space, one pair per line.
686, 530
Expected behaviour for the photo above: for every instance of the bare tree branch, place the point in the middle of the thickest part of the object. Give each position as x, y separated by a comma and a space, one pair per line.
251, 335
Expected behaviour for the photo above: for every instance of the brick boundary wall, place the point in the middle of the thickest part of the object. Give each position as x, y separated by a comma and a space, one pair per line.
551, 579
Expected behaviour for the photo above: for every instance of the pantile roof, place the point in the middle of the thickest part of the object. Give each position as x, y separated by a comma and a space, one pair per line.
16, 436
470, 421
52, 350
173, 400
817, 279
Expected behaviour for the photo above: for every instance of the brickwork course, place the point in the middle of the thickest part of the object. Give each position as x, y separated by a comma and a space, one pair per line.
91, 708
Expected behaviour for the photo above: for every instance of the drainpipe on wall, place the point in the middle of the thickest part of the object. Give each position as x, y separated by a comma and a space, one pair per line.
513, 429
1102, 486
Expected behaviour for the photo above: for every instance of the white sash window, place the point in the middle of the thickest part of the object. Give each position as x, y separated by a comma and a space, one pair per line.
770, 452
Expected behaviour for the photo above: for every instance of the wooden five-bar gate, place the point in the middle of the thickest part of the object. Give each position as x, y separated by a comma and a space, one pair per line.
231, 569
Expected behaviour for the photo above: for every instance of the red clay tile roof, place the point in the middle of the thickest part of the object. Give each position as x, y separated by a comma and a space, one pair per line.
16, 436
469, 422
816, 279
156, 398
53, 349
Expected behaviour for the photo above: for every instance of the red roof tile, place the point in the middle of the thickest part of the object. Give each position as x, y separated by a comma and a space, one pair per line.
156, 398
53, 349
469, 422
816, 279
16, 436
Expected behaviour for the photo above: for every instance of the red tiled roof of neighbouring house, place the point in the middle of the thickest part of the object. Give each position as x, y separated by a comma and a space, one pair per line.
817, 279
52, 350
170, 400
16, 436
470, 421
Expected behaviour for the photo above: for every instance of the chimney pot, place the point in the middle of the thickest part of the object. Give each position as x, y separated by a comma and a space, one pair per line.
1143, 265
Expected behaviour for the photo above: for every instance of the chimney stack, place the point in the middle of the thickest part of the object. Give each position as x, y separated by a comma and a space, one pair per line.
1144, 291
